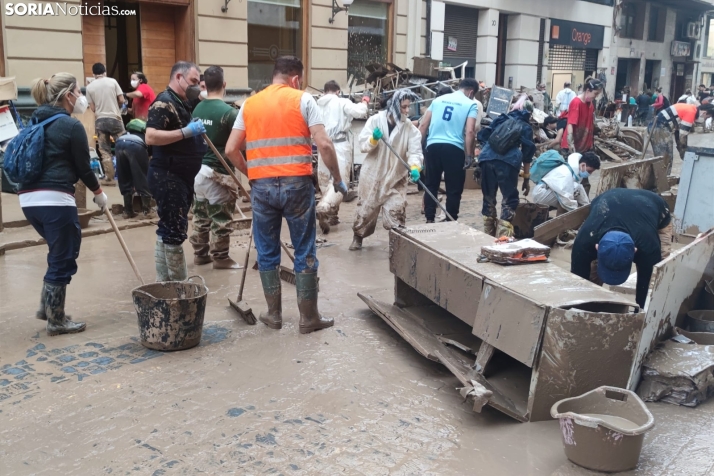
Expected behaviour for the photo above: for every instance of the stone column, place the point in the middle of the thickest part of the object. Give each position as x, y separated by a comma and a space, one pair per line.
522, 51
487, 46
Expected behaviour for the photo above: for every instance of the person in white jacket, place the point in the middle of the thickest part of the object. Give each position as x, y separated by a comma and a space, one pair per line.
383, 178
337, 113
562, 188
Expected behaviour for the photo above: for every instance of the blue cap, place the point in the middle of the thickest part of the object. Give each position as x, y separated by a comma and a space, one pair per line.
615, 254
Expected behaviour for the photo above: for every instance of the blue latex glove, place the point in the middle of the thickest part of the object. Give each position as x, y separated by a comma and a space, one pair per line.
193, 129
376, 134
414, 175
341, 187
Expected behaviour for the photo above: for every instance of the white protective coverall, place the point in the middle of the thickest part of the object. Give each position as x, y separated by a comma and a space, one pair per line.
383, 178
337, 113
560, 187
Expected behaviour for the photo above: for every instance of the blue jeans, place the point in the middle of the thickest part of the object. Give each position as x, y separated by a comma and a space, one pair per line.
292, 198
59, 226
497, 174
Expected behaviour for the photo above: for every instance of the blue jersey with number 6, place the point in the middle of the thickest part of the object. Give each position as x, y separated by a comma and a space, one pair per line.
448, 119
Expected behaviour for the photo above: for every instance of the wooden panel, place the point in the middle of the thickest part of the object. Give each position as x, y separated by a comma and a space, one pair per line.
94, 49
185, 31
547, 232
157, 57
510, 322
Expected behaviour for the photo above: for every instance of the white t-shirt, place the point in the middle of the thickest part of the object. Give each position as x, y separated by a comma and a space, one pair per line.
46, 198
308, 107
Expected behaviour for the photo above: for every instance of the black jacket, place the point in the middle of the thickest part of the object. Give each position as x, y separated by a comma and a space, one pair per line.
66, 157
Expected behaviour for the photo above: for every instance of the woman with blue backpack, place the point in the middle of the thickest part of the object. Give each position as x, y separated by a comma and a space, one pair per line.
49, 156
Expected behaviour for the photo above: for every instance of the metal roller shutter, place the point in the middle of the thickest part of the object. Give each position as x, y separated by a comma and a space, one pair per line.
567, 58
462, 24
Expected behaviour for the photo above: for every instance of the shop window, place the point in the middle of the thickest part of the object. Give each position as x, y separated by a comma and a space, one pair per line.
367, 36
657, 21
275, 28
709, 42
632, 20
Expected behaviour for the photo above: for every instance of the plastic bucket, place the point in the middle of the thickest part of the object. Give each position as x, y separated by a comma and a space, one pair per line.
171, 313
603, 429
701, 321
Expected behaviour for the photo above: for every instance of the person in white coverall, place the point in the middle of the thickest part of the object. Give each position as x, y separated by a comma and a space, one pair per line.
562, 188
337, 113
383, 178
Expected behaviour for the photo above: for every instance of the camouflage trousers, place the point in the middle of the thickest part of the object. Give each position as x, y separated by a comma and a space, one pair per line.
213, 207
107, 129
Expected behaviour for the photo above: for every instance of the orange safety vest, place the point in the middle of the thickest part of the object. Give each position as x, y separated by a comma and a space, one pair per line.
685, 114
278, 140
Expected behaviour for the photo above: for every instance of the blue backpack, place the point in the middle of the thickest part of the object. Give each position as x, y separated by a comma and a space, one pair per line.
546, 162
26, 151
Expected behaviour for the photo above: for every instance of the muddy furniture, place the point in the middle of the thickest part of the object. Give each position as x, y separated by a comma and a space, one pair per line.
530, 334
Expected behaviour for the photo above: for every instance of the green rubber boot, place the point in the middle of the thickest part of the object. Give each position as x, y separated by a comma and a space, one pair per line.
274, 297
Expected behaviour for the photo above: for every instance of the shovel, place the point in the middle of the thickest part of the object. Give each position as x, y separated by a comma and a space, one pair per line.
418, 180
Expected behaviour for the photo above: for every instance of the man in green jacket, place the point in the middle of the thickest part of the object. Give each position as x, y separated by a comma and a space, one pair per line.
216, 193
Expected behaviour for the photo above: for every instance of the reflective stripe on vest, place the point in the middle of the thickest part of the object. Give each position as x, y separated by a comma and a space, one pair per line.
278, 142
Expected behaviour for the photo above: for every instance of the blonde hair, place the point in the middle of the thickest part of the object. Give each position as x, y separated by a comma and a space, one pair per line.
46, 91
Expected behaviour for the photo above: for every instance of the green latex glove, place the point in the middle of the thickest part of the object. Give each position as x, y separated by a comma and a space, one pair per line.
376, 134
414, 174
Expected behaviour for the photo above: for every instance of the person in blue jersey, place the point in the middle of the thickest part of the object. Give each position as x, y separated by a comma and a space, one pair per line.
450, 127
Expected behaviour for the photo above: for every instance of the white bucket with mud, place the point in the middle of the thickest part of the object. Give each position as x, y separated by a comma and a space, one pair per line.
603, 429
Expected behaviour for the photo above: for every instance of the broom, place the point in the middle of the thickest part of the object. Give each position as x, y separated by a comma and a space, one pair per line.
239, 305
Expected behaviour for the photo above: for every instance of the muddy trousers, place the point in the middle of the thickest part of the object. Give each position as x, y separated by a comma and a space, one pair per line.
331, 200
449, 160
292, 198
212, 228
59, 226
106, 129
393, 206
498, 175
173, 192
132, 166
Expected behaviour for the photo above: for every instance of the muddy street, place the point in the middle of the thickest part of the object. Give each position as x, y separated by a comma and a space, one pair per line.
354, 399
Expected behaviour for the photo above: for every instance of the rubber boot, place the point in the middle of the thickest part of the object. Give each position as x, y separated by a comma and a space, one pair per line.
41, 314
505, 228
356, 243
175, 262
220, 246
273, 296
128, 206
310, 318
162, 271
57, 322
489, 226
324, 221
149, 213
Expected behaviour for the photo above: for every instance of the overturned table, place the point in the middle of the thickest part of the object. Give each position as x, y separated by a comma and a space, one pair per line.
529, 335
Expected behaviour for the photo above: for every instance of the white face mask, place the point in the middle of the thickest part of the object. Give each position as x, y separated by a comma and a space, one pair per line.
80, 104
204, 94
135, 84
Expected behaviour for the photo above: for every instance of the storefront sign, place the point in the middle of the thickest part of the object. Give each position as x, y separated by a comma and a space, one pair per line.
681, 48
577, 35
453, 42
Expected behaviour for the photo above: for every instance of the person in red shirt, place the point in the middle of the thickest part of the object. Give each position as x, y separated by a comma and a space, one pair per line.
579, 132
142, 95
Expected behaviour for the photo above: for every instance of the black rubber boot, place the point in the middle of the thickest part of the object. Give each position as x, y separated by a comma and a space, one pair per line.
57, 322
128, 206
146, 209
274, 297
310, 318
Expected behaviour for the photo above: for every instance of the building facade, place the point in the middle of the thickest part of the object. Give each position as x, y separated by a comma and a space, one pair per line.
661, 43
244, 37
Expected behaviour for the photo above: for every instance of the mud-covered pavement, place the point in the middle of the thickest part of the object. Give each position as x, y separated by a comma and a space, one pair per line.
354, 399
